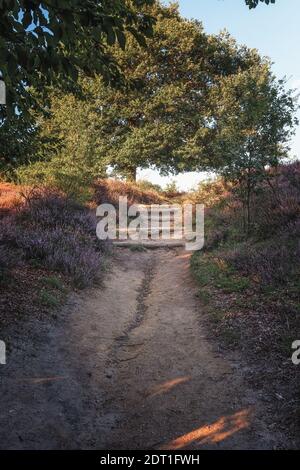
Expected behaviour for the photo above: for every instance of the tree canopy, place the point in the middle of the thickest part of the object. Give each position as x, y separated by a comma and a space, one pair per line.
161, 122
152, 125
191, 101
252, 121
43, 41
46, 41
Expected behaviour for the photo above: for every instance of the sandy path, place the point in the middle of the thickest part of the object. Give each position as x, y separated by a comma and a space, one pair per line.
128, 367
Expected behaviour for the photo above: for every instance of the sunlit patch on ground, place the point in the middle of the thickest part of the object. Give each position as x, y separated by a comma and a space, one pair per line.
167, 386
42, 380
211, 433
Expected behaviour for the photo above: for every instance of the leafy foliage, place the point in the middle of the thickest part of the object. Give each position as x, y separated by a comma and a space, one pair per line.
164, 119
249, 129
17, 143
46, 41
253, 3
152, 123
68, 153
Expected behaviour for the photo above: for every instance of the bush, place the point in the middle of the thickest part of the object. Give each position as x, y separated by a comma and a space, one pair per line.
145, 185
50, 209
10, 256
56, 232
277, 203
109, 191
10, 197
216, 238
212, 193
62, 251
60, 175
8, 259
273, 262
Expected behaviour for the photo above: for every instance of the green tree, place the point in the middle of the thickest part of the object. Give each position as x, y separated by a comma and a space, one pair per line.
17, 137
67, 151
46, 41
150, 124
163, 120
250, 128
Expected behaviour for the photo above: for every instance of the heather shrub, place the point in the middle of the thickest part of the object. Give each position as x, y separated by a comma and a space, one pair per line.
8, 231
67, 252
10, 256
277, 202
272, 263
8, 259
222, 224
51, 209
109, 191
271, 254
215, 238
58, 233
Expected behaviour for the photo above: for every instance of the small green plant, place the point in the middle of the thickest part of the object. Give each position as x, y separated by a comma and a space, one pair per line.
230, 284
53, 282
203, 269
212, 271
148, 186
171, 187
284, 343
47, 299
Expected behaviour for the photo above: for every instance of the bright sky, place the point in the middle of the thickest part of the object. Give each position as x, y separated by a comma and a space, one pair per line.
274, 30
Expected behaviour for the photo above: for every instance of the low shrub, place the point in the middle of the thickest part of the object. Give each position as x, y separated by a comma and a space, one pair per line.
53, 282
67, 252
109, 191
59, 174
48, 299
215, 272
276, 202
212, 193
273, 262
10, 256
56, 233
215, 238
51, 209
145, 185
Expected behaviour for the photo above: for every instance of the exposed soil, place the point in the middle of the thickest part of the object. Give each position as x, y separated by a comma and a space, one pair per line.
129, 366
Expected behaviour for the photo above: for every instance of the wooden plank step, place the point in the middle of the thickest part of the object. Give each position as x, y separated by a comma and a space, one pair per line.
149, 243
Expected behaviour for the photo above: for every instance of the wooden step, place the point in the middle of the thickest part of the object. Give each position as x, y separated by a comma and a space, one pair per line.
149, 243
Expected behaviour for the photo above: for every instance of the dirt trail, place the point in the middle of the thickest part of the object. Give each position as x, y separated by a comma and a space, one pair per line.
128, 367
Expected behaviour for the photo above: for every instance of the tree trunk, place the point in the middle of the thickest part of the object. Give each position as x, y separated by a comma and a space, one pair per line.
131, 174
249, 191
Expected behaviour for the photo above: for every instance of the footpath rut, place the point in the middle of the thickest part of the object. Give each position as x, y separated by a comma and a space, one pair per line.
128, 365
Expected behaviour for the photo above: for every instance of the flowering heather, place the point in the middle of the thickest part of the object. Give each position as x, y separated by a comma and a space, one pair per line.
55, 231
